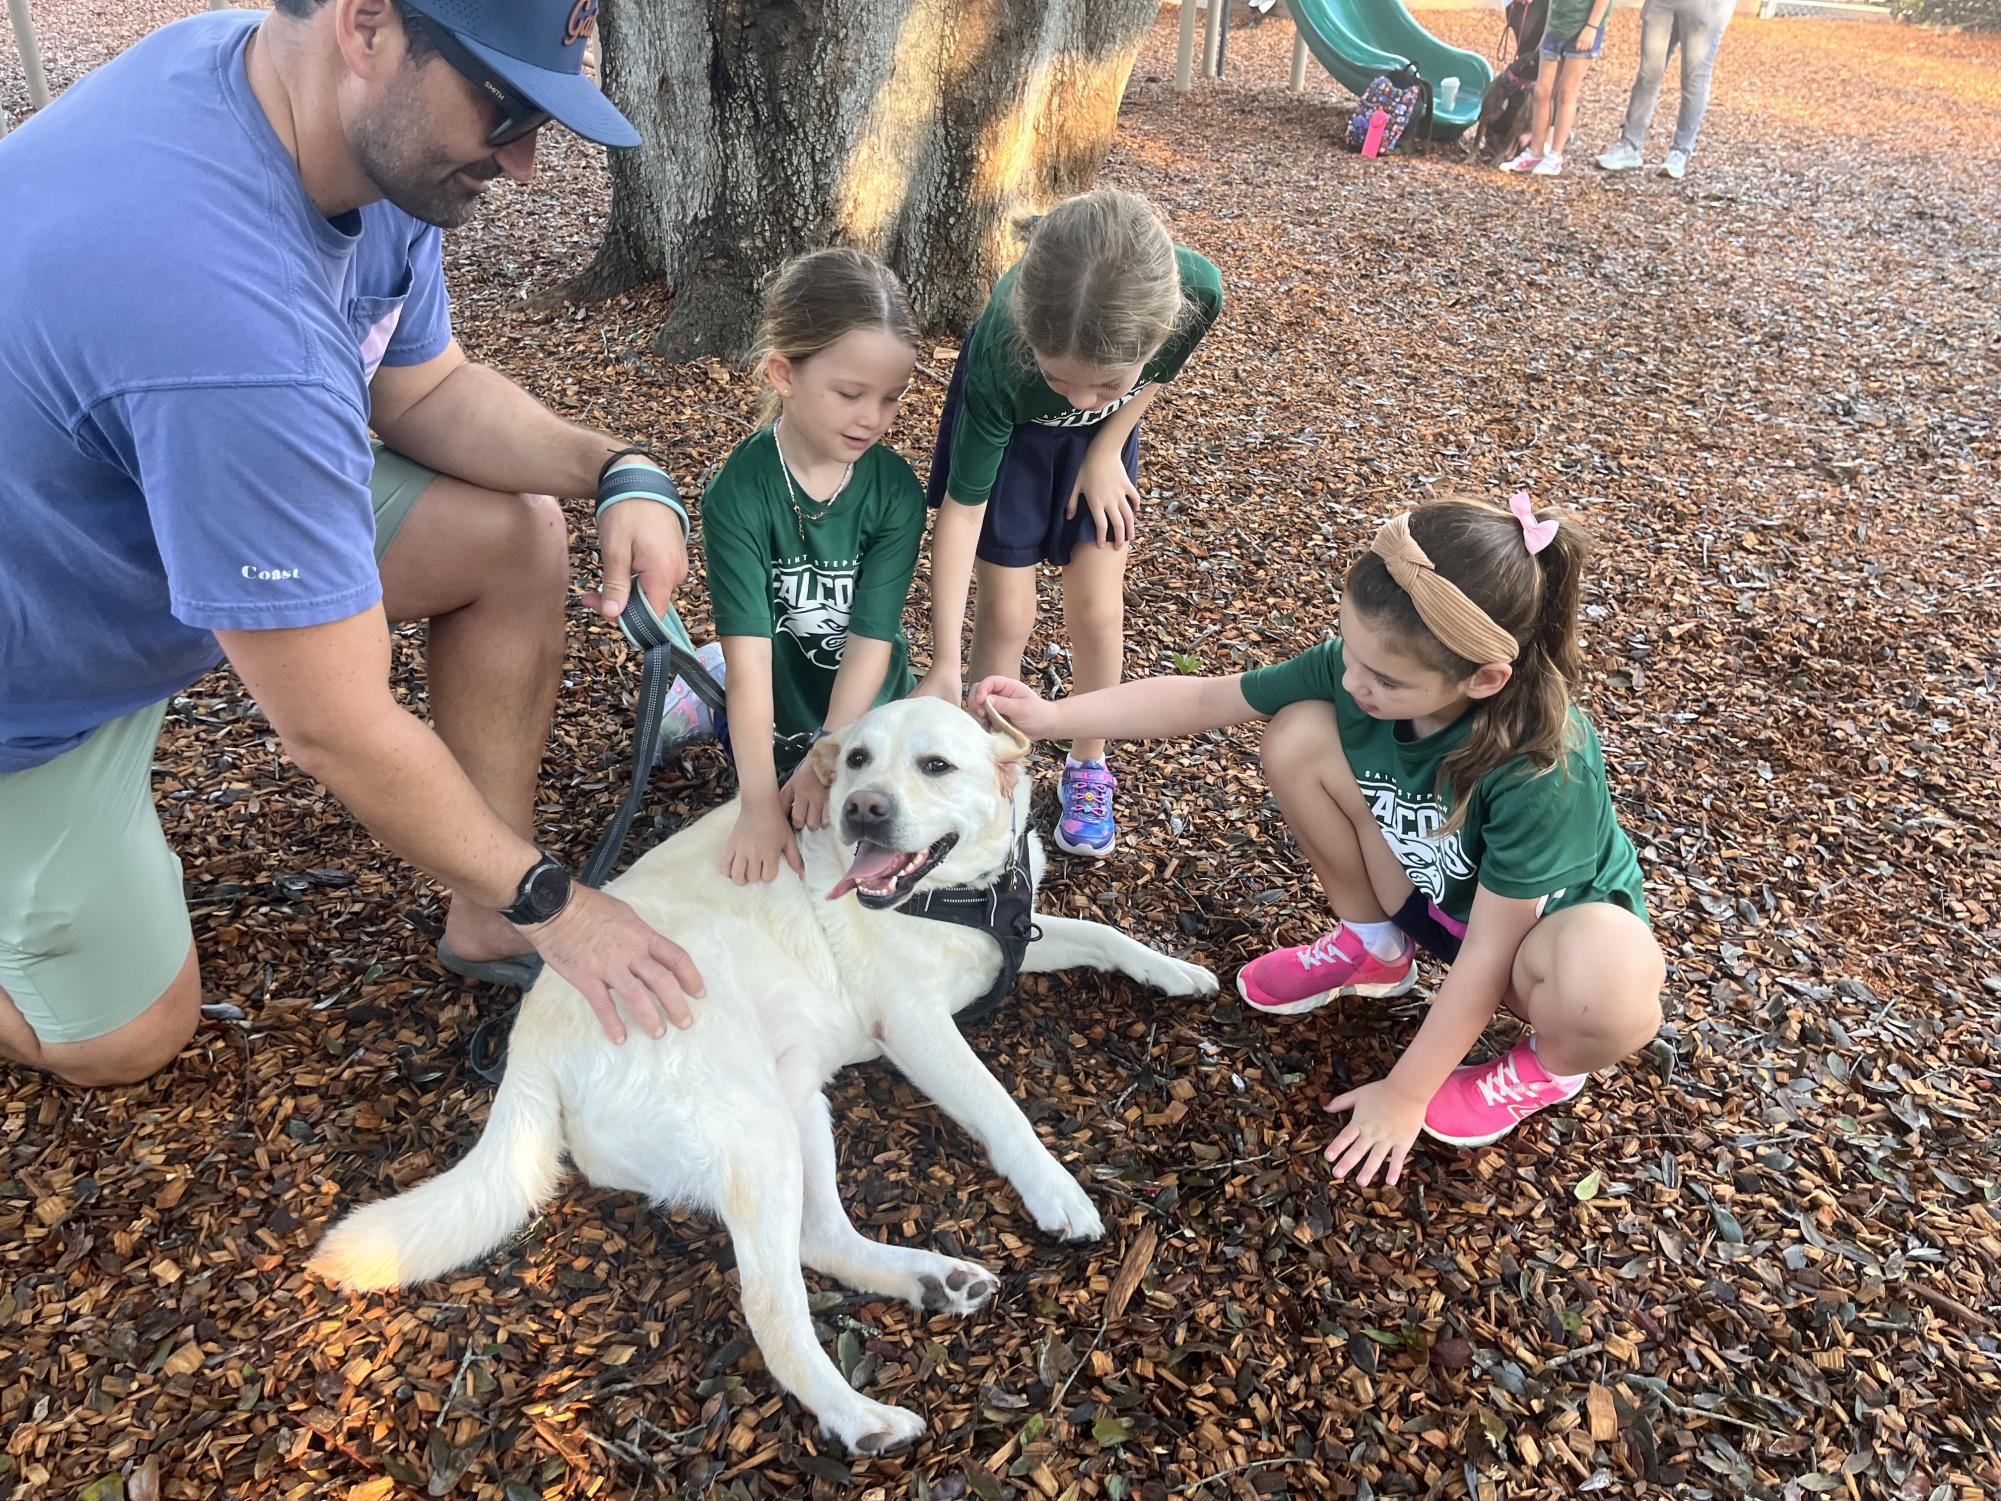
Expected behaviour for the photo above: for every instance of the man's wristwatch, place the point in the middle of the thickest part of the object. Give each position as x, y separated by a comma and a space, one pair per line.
543, 892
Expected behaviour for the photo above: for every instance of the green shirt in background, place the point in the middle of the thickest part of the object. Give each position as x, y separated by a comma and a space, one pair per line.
1526, 835
1567, 18
850, 575
1003, 387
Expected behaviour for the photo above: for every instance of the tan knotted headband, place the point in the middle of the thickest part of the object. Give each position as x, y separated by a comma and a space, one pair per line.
1453, 618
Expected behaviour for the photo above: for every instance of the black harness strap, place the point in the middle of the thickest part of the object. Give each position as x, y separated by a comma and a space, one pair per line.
1005, 911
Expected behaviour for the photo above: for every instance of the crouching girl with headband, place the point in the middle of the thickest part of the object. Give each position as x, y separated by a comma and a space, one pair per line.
1449, 794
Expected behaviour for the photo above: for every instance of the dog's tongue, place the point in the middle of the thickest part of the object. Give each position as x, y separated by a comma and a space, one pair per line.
871, 861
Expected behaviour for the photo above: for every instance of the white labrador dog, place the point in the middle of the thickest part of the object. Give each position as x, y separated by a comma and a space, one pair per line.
804, 978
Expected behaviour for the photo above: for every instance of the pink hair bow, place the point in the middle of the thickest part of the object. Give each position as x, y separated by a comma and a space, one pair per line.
1536, 535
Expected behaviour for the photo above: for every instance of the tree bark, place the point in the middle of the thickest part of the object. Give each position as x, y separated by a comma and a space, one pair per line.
925, 131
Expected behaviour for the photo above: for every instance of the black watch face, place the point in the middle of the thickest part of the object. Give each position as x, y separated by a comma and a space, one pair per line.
548, 887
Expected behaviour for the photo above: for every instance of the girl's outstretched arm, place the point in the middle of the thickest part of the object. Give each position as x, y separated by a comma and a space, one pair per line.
1145, 709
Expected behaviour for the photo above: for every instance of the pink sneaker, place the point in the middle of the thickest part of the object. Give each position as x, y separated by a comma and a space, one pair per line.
1286, 982
1482, 1102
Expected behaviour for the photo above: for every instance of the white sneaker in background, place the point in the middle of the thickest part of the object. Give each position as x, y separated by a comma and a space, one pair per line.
1621, 158
1549, 166
1676, 165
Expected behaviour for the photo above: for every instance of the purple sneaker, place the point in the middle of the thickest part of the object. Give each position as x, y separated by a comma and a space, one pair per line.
1086, 826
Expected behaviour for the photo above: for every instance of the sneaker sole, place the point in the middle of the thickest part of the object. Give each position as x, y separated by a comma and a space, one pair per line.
1315, 1002
1056, 838
1468, 1141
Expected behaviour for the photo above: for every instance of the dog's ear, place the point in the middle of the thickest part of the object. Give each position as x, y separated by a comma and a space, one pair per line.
824, 759
1010, 748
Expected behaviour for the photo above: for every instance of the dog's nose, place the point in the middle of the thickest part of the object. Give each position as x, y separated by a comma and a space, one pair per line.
867, 810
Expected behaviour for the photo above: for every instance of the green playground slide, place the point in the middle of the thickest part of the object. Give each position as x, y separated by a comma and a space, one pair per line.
1357, 39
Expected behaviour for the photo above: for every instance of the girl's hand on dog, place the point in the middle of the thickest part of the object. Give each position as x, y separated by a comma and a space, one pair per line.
804, 797
1104, 486
613, 956
939, 682
1018, 703
760, 843
1382, 1124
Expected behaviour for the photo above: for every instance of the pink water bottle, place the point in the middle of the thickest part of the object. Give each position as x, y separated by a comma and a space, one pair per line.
1372, 143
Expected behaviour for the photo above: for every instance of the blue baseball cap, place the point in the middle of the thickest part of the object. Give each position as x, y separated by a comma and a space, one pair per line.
536, 47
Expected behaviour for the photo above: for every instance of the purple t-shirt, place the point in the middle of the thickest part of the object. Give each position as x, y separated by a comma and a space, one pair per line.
185, 350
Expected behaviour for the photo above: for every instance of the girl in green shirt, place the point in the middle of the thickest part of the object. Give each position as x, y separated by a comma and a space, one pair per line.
811, 531
1037, 460
1574, 36
1449, 795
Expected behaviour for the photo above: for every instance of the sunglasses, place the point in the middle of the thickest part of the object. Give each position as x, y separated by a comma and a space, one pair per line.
519, 117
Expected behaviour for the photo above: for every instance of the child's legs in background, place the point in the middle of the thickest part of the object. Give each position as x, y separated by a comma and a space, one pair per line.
1588, 979
1003, 618
1569, 84
1308, 774
1543, 108
1094, 613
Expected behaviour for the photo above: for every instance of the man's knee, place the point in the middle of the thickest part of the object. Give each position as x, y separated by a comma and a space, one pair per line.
544, 538
141, 1047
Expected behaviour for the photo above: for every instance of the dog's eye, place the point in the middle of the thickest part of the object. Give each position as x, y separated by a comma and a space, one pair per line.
935, 766
857, 758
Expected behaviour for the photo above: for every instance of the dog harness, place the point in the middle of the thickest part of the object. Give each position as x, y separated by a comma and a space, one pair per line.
1005, 911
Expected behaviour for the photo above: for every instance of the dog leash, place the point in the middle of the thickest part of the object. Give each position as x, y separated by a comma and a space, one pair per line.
667, 652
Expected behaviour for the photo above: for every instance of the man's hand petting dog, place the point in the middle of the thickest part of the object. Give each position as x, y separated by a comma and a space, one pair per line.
605, 949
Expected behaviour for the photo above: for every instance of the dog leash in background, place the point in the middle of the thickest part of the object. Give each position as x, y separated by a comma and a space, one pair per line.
667, 652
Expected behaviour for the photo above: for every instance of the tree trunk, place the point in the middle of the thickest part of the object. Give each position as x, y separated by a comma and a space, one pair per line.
925, 131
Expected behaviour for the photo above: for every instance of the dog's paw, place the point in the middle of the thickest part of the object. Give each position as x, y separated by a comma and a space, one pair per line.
1192, 979
955, 1287
873, 1427
1062, 1208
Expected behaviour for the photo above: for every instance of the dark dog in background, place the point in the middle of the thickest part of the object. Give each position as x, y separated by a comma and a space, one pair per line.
1504, 111
1504, 108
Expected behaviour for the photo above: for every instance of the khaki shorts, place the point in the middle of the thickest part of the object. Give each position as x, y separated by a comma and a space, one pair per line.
94, 927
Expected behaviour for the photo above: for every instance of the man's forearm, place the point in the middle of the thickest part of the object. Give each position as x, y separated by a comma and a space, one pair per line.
480, 426
403, 785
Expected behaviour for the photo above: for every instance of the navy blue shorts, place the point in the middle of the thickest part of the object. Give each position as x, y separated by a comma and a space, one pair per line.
1426, 925
1025, 524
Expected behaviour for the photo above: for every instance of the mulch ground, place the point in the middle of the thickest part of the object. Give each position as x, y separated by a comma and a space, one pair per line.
1762, 1260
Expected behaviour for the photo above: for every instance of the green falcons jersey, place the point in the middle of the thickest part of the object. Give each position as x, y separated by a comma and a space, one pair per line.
1551, 835
1003, 388
851, 573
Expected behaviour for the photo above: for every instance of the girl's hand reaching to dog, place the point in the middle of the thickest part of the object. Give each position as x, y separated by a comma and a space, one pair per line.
760, 843
1019, 704
1383, 1122
804, 797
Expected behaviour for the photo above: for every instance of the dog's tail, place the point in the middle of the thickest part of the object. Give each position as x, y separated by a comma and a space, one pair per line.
460, 1215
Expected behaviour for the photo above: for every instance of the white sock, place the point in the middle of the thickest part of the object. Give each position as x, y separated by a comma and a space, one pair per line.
1383, 939
1568, 1083
1074, 764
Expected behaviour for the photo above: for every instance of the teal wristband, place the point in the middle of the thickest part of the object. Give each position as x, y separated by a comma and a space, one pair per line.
640, 482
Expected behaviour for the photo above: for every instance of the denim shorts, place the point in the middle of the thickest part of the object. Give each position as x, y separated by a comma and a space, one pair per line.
1554, 44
